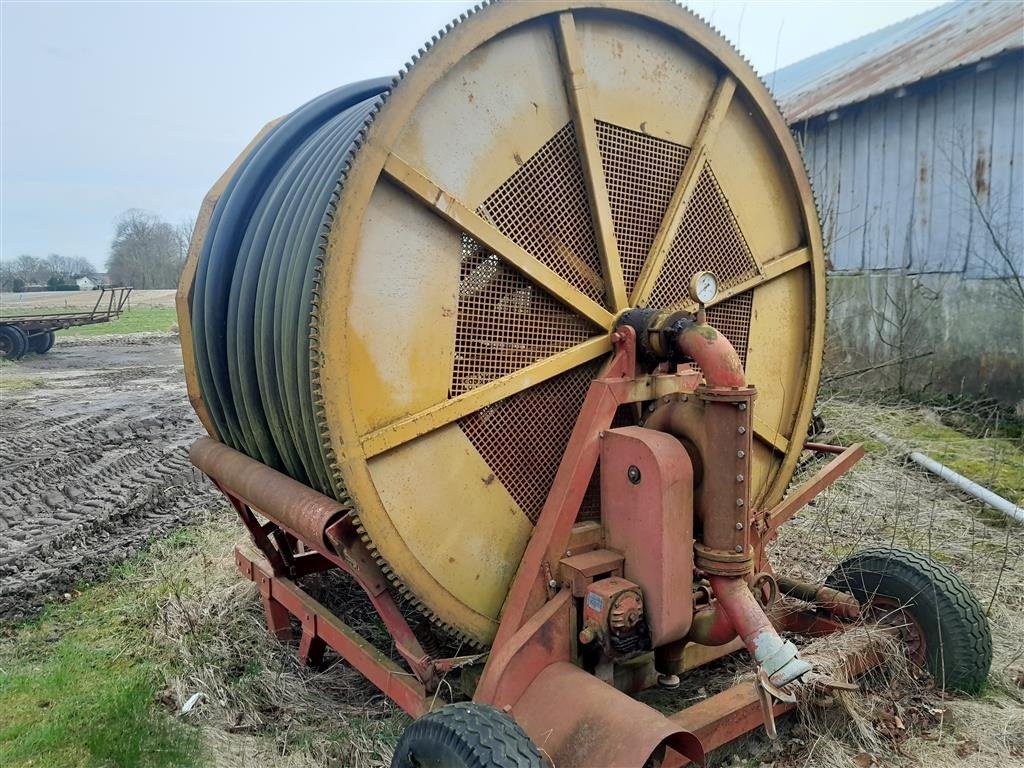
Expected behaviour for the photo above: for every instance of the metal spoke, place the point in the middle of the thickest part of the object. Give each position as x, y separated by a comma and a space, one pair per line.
448, 207
435, 417
770, 270
770, 436
590, 158
673, 218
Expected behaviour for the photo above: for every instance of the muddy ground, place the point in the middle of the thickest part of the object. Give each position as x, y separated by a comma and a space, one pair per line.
94, 443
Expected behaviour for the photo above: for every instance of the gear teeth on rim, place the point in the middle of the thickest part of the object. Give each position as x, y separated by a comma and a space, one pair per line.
330, 460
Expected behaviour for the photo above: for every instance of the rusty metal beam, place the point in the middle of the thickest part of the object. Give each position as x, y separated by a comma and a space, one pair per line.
320, 625
821, 480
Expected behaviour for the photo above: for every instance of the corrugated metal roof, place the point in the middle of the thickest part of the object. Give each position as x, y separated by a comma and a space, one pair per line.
943, 39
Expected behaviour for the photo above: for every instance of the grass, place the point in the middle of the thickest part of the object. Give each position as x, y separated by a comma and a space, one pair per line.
78, 686
93, 681
8, 384
138, 320
990, 454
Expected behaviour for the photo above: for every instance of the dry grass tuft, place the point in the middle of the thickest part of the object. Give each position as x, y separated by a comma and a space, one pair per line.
257, 703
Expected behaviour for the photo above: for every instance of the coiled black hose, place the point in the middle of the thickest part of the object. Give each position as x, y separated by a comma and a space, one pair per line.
252, 295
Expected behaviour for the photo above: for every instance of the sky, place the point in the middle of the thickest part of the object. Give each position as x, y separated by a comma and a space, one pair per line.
110, 106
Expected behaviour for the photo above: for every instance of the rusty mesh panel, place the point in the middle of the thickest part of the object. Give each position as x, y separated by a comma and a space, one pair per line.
523, 437
732, 319
543, 208
641, 172
709, 239
504, 323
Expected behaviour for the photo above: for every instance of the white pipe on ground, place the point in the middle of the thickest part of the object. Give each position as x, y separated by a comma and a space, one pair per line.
970, 487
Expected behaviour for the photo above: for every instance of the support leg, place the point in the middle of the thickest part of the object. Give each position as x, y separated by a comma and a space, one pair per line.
311, 646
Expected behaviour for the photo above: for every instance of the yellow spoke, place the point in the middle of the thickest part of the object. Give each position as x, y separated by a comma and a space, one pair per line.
770, 270
673, 218
448, 207
770, 436
435, 417
590, 158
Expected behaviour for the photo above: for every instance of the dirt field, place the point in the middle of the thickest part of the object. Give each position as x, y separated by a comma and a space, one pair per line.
93, 445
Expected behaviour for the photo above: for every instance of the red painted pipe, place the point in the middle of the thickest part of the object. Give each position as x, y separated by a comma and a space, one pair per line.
711, 626
714, 353
776, 656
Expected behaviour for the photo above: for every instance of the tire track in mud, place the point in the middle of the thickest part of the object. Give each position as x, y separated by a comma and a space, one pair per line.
94, 464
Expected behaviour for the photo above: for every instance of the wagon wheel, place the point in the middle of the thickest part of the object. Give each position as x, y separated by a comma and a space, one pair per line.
13, 342
543, 167
41, 343
942, 624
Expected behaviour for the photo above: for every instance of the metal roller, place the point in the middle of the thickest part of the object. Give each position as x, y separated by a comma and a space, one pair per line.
399, 294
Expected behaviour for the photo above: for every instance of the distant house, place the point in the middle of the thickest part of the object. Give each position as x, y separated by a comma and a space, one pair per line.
914, 140
86, 283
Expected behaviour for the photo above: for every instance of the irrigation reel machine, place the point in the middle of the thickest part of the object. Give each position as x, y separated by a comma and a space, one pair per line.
526, 341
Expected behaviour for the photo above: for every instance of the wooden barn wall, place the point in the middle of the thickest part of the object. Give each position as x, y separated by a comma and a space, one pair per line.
929, 181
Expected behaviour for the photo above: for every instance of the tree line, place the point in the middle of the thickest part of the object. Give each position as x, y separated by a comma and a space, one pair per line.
146, 252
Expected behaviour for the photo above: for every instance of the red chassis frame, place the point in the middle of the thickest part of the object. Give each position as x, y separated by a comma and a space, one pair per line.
529, 671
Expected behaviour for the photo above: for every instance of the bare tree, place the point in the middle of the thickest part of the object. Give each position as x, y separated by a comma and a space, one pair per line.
28, 270
67, 268
146, 251
185, 229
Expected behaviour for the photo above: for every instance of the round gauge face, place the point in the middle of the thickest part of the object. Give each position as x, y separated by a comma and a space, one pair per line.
704, 287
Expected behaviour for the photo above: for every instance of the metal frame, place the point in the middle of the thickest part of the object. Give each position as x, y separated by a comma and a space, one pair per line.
116, 298
533, 647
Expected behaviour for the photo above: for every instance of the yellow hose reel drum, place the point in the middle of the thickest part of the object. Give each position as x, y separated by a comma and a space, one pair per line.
539, 169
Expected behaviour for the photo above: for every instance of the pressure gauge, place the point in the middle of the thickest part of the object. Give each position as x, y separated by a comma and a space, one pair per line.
704, 287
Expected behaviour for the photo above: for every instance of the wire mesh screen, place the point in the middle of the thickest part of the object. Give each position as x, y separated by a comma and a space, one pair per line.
708, 239
732, 319
543, 207
641, 172
523, 437
504, 322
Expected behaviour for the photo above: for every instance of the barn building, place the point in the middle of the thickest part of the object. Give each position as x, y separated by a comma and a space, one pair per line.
913, 137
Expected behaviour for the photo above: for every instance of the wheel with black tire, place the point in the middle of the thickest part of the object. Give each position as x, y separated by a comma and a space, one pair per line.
13, 342
41, 342
942, 622
466, 735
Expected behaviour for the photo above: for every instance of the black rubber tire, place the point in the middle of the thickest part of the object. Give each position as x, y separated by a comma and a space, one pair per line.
41, 343
957, 639
466, 735
13, 342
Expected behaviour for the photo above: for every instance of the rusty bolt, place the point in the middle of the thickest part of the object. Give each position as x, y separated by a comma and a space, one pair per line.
742, 430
